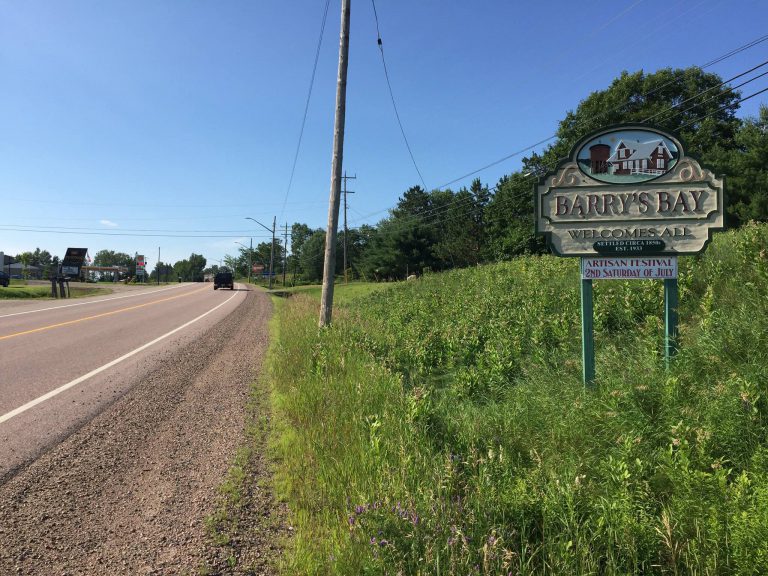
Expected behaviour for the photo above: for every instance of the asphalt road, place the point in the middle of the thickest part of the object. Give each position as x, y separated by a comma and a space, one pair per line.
63, 362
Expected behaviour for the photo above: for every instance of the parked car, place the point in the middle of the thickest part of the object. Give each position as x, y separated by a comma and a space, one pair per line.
4, 279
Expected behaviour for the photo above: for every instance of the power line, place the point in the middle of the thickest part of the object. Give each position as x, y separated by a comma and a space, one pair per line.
724, 82
392, 96
306, 106
162, 230
413, 219
723, 108
437, 213
610, 111
107, 233
734, 52
499, 161
448, 206
731, 89
432, 213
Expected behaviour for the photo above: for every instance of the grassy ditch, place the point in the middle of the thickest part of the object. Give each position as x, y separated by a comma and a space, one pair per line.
248, 528
441, 427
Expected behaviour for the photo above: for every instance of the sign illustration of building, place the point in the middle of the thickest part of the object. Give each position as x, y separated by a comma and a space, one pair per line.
652, 157
628, 155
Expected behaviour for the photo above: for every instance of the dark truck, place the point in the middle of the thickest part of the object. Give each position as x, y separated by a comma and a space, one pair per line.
223, 280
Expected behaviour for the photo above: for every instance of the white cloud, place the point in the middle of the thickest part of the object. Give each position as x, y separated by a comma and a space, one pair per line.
108, 223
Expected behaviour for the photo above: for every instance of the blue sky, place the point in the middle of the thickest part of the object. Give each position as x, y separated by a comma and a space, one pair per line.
165, 123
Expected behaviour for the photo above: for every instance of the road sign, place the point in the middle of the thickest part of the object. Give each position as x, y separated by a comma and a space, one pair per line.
73, 261
651, 268
629, 189
628, 201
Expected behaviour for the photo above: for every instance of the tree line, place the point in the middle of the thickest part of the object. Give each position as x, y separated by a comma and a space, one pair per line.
41, 264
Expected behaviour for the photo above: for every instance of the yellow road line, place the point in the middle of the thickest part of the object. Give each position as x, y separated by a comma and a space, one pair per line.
108, 365
78, 320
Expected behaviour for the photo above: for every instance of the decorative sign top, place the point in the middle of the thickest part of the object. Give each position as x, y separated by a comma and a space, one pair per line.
629, 190
75, 256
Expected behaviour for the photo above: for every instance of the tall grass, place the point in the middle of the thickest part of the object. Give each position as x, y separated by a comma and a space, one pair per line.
441, 426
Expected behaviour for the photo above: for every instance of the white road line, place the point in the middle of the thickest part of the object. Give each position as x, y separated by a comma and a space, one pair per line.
83, 378
175, 286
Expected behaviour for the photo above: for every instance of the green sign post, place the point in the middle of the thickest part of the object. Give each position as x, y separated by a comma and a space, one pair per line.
587, 334
628, 202
670, 320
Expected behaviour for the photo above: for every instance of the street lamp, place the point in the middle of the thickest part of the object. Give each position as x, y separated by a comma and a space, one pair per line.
272, 251
250, 253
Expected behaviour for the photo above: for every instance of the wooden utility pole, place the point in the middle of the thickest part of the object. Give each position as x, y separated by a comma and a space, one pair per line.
329, 264
345, 219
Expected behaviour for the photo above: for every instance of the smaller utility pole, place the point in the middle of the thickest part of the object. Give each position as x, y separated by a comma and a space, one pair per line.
285, 252
158, 265
345, 177
250, 260
272, 253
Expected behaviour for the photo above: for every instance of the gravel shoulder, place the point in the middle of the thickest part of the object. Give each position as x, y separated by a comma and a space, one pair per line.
130, 491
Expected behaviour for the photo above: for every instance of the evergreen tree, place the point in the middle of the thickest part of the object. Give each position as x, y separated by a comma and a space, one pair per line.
745, 168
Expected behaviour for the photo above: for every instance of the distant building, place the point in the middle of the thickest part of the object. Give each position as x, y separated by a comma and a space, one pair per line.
18, 270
